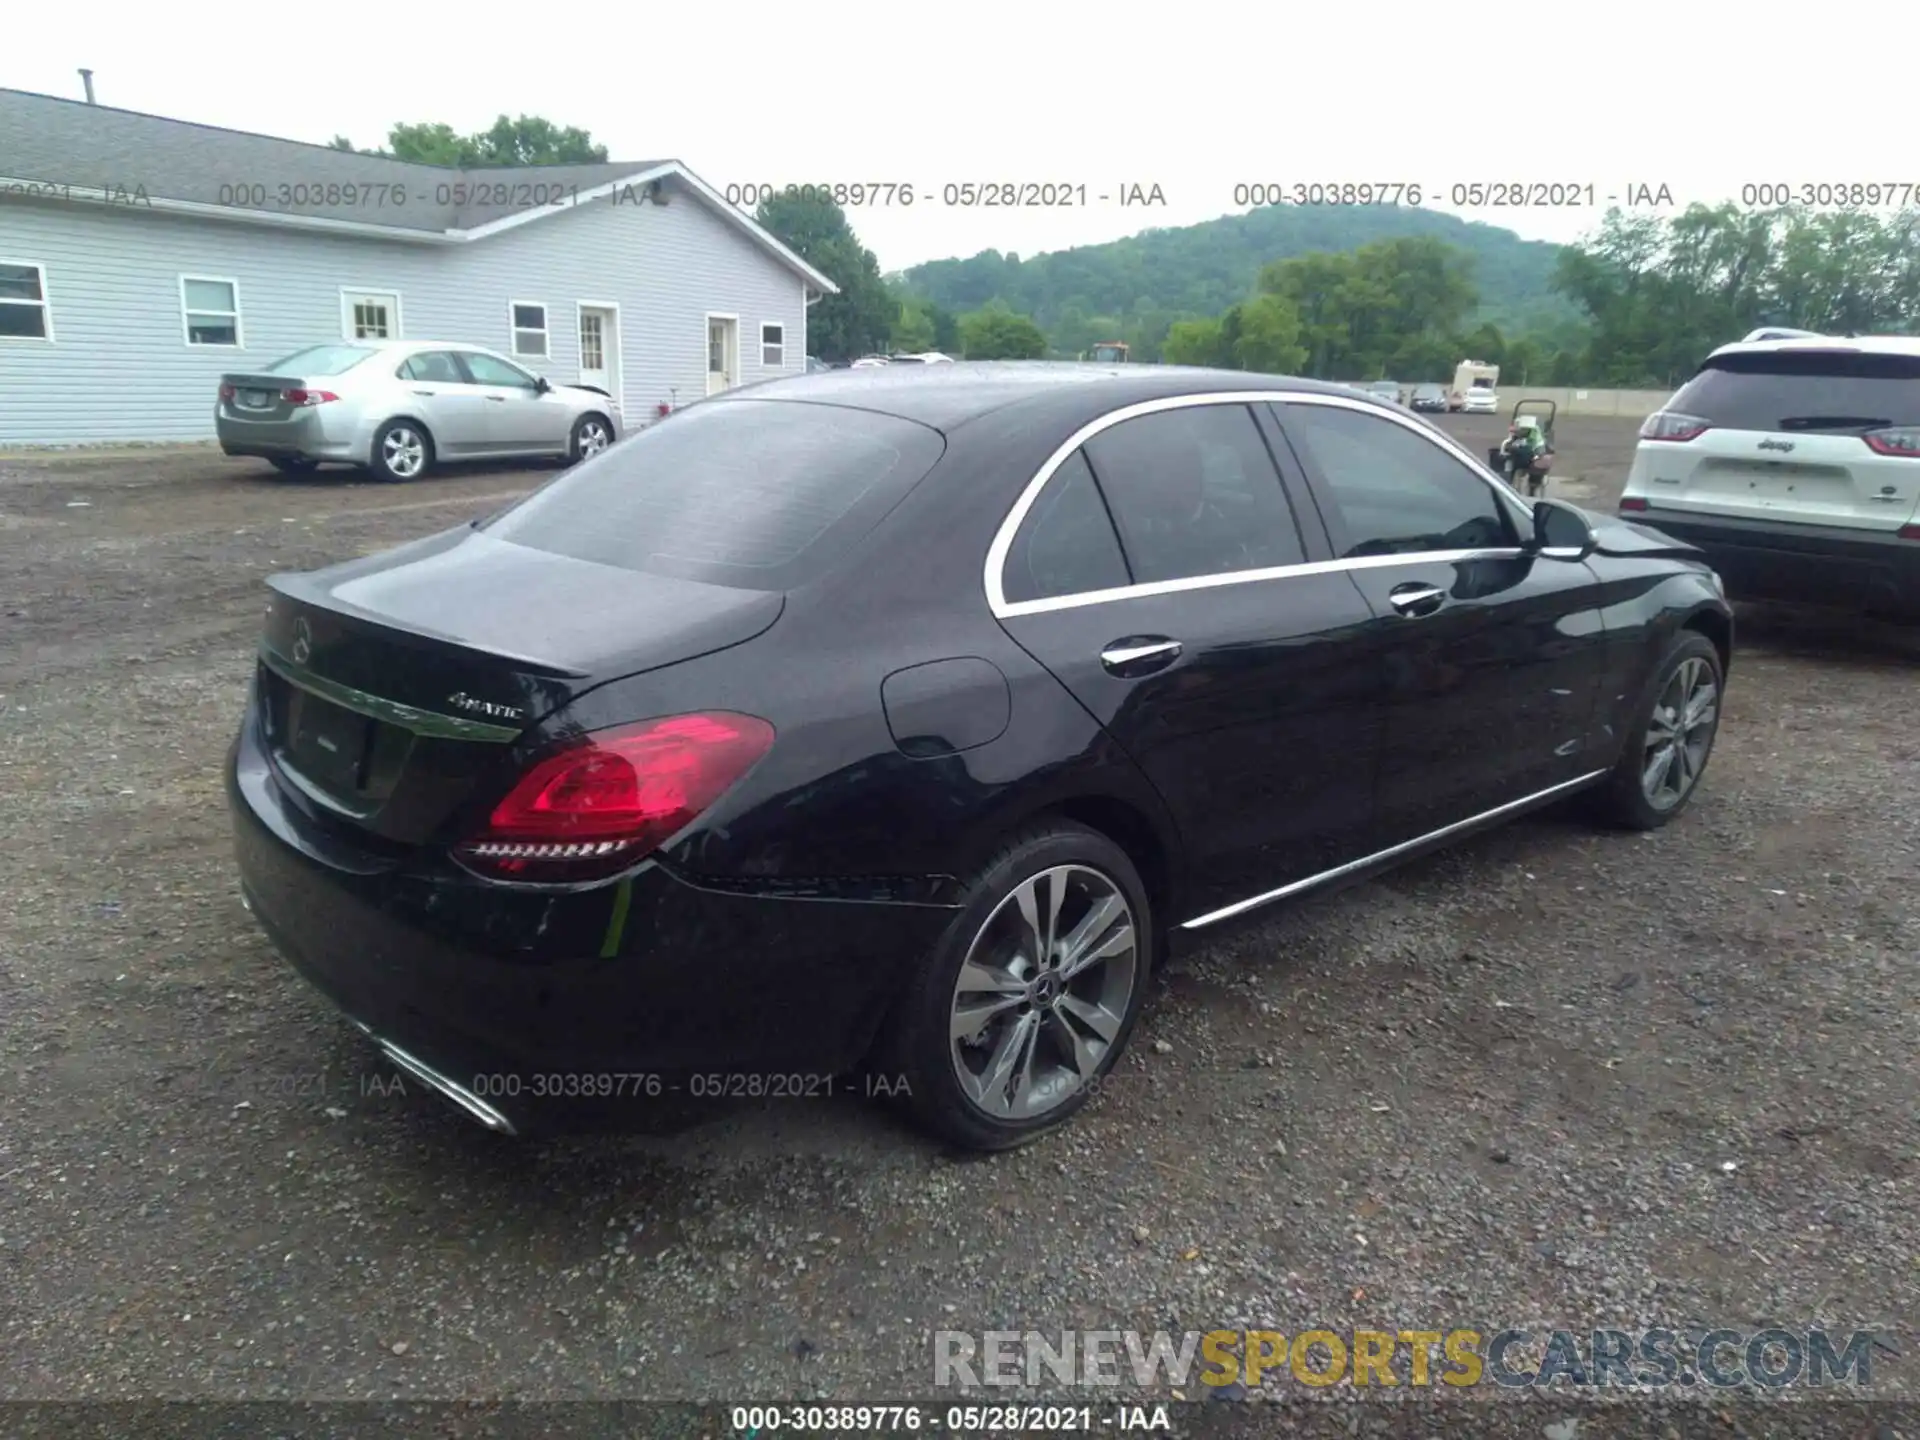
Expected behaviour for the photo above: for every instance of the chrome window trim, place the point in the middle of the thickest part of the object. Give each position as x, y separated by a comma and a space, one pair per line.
997, 552
1255, 902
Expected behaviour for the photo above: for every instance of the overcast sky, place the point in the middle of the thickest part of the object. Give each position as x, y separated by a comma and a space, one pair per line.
1195, 98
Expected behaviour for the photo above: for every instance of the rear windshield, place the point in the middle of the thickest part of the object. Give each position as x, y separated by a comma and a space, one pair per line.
1804, 390
322, 360
756, 494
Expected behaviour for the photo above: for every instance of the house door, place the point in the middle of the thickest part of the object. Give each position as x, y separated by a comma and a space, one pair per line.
723, 353
599, 348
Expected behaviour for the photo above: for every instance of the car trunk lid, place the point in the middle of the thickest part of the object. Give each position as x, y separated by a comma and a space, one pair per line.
394, 687
250, 396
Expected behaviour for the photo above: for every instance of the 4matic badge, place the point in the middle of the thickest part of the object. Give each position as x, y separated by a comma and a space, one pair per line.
463, 701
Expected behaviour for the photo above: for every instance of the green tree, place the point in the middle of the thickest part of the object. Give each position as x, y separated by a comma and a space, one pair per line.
1383, 306
1195, 342
528, 140
912, 330
1269, 337
859, 319
999, 334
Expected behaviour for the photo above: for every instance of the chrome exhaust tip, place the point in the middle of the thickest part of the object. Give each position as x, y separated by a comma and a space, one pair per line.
451, 1089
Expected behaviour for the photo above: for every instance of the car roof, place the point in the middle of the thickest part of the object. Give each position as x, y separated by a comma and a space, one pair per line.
947, 396
1864, 344
403, 347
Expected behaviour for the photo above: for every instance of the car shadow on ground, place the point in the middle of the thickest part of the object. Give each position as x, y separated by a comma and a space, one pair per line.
1814, 633
333, 477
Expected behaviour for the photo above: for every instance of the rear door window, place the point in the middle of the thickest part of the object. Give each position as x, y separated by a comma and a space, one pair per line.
1804, 389
436, 366
756, 494
1195, 493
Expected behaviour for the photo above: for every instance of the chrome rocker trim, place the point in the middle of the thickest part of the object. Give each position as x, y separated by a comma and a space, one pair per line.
1240, 907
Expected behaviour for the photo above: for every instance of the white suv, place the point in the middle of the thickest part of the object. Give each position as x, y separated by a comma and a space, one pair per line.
1794, 464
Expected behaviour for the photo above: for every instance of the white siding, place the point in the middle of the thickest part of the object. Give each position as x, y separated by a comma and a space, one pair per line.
119, 367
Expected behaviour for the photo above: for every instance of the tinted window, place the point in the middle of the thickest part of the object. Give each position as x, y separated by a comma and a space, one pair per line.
488, 371
436, 366
1804, 390
1066, 545
1394, 491
750, 493
322, 360
1195, 493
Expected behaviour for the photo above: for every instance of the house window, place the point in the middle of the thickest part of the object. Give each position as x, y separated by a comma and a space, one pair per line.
210, 310
529, 329
23, 301
370, 315
773, 346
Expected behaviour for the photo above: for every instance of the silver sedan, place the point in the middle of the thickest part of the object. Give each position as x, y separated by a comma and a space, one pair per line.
396, 407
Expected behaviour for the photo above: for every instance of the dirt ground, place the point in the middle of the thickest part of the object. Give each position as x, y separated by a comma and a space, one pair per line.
1550, 1077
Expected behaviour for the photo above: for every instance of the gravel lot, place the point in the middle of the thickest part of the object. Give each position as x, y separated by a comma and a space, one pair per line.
1550, 1077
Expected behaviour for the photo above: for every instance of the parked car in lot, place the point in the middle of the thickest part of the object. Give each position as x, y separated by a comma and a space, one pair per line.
1429, 398
644, 777
1479, 401
396, 408
1387, 390
1794, 464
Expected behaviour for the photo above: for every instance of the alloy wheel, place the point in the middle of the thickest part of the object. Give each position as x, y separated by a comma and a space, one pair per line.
1044, 992
404, 451
1679, 734
593, 438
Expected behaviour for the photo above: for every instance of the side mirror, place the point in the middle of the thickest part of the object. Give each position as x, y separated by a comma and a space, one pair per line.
541, 385
1561, 532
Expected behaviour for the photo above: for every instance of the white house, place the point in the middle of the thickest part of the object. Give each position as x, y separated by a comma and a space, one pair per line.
142, 257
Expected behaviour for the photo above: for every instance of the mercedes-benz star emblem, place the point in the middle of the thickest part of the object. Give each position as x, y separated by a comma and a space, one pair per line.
302, 641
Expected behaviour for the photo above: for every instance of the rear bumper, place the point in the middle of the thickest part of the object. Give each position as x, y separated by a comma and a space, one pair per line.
563, 1007
305, 436
1815, 564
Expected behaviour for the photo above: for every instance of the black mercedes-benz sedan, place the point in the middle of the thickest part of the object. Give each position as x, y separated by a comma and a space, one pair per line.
897, 726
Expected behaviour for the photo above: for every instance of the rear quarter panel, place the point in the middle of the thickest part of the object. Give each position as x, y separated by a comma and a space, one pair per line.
837, 806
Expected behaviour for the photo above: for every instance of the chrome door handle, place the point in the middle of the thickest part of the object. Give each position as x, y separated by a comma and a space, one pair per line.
1414, 601
498, 399
426, 394
1140, 655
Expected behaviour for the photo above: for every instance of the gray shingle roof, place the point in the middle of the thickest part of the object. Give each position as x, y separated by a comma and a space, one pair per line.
68, 142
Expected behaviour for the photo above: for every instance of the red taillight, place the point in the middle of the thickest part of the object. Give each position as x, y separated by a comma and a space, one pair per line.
1672, 425
1901, 440
1910, 532
602, 803
1632, 502
226, 392
307, 397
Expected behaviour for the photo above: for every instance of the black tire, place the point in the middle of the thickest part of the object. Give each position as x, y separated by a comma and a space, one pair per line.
1622, 799
917, 1047
293, 464
580, 445
390, 459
